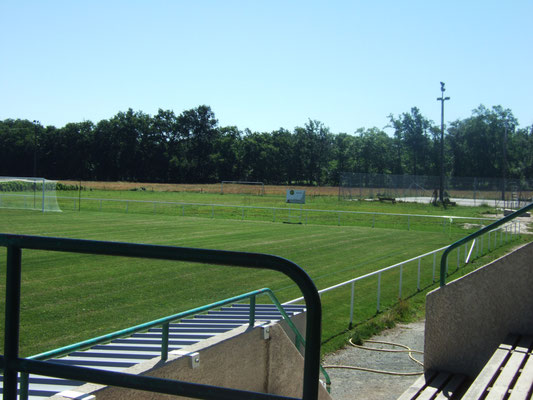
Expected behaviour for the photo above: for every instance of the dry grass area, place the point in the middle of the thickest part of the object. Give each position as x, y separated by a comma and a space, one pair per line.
204, 188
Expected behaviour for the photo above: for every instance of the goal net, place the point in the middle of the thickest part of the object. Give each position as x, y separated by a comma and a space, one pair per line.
28, 193
242, 187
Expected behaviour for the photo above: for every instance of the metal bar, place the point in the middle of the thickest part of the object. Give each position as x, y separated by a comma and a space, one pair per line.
141, 327
297, 333
418, 278
279, 208
143, 382
351, 305
434, 265
470, 252
44, 181
379, 291
458, 256
251, 319
164, 341
401, 273
24, 386
218, 257
12, 321
368, 275
474, 235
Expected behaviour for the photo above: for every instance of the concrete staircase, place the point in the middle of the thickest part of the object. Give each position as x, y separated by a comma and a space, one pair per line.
127, 352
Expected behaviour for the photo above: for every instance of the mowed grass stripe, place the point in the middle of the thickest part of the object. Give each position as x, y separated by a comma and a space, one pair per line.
70, 297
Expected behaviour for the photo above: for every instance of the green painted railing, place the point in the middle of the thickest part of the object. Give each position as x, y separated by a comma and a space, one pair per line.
474, 235
12, 364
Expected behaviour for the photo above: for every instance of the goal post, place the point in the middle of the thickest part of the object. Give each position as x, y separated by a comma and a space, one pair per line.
28, 193
242, 187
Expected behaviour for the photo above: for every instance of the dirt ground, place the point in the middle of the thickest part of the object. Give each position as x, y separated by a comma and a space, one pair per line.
359, 385
205, 188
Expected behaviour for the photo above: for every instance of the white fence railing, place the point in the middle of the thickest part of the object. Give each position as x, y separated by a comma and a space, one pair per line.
274, 214
483, 245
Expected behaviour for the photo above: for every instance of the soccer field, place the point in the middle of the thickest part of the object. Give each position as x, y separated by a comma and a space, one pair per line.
69, 297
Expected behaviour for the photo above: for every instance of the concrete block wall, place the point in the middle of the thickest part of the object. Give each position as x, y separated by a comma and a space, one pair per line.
240, 359
468, 318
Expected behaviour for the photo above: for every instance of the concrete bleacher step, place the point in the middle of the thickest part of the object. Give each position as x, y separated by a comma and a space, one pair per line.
121, 354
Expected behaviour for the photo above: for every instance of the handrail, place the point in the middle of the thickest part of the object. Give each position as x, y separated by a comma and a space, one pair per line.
378, 272
85, 344
13, 364
474, 235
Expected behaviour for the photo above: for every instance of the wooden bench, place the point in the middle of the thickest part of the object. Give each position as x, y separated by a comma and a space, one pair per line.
391, 199
509, 371
507, 375
436, 385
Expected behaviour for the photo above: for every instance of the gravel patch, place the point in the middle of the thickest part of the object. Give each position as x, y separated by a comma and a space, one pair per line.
347, 384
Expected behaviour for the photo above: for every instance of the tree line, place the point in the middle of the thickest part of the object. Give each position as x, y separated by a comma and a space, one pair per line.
192, 148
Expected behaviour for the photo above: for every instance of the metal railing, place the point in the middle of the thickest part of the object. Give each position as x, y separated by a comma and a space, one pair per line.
473, 236
12, 364
507, 234
274, 214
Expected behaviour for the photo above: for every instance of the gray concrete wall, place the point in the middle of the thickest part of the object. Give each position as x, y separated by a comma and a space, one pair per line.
468, 318
241, 359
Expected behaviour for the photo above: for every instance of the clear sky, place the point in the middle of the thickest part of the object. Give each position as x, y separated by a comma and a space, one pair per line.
263, 65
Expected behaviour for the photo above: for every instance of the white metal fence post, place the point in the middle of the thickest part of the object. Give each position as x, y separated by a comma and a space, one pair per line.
434, 265
351, 304
418, 278
401, 273
379, 291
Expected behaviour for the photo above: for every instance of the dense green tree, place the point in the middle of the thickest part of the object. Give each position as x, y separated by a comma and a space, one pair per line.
192, 148
477, 142
411, 129
198, 133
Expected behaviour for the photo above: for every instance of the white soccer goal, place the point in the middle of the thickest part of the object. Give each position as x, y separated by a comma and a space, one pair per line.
242, 187
28, 193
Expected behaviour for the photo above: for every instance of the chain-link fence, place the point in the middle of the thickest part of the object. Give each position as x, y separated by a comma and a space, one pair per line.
423, 188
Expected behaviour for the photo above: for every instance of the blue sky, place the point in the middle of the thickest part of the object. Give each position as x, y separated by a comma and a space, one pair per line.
263, 65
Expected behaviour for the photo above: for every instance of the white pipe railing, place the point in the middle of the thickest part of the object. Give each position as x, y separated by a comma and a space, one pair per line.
513, 230
300, 214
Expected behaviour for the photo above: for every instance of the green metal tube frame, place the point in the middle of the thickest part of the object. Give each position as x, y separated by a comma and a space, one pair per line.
474, 235
12, 364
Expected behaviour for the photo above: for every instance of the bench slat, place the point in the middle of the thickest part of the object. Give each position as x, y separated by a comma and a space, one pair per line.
451, 387
502, 384
485, 377
524, 384
433, 386
416, 387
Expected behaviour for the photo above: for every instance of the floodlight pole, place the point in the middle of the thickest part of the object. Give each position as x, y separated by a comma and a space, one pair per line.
442, 99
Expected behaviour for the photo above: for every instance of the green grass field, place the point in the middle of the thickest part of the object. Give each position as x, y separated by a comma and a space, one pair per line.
318, 210
71, 297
